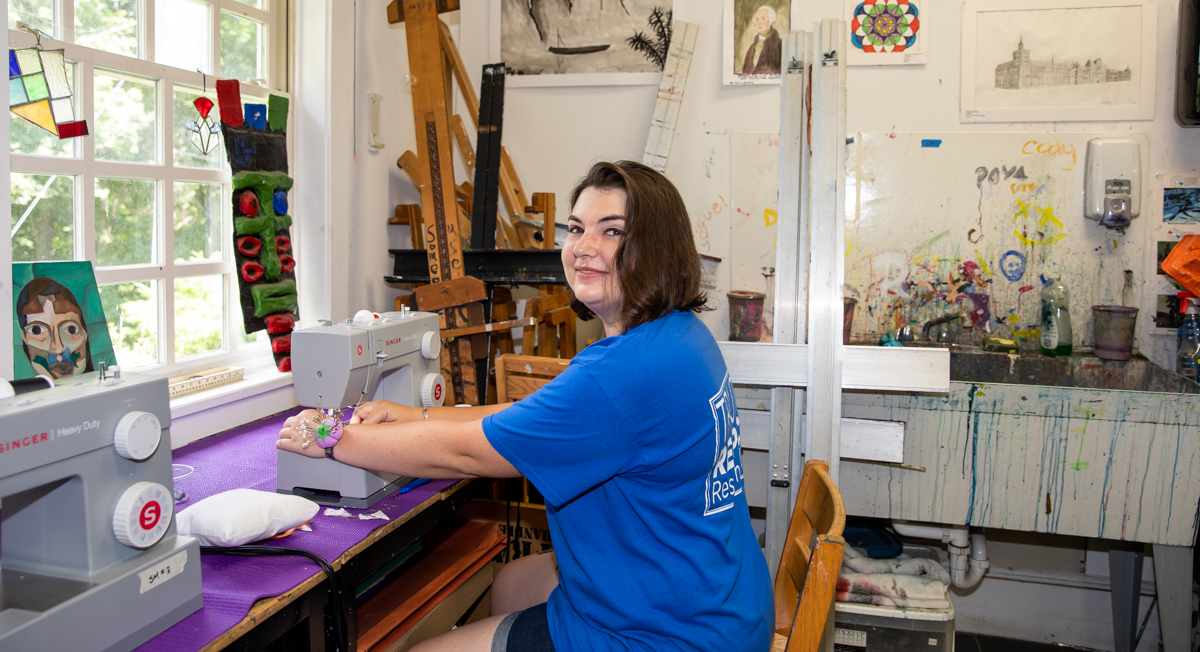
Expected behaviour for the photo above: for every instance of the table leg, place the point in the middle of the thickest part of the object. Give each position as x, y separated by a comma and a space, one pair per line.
1125, 562
1173, 583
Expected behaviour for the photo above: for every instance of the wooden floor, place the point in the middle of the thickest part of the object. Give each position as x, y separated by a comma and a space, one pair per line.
979, 643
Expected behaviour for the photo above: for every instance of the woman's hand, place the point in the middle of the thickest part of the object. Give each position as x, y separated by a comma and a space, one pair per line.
380, 412
291, 439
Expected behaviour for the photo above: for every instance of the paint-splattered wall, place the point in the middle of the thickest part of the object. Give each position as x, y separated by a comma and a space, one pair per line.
974, 224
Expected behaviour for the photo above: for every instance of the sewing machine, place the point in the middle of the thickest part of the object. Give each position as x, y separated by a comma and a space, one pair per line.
89, 558
391, 356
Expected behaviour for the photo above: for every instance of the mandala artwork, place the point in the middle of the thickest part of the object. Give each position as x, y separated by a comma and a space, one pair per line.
885, 25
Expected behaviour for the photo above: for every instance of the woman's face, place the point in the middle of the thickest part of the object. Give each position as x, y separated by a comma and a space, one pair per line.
595, 228
57, 342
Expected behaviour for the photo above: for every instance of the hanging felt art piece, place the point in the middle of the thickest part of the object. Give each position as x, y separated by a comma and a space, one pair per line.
255, 140
40, 91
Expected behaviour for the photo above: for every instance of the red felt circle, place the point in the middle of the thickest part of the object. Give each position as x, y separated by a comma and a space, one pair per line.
283, 243
248, 202
249, 245
251, 271
287, 263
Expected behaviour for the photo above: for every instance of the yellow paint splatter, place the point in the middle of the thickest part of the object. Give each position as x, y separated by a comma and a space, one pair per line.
849, 248
1027, 241
770, 217
983, 263
1048, 216
1024, 210
1032, 333
1012, 319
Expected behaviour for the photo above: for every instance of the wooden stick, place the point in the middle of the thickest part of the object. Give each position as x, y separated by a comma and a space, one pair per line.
488, 328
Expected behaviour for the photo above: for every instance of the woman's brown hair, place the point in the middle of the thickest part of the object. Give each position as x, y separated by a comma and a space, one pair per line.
657, 263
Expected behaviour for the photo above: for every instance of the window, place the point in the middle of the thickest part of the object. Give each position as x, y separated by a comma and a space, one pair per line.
136, 198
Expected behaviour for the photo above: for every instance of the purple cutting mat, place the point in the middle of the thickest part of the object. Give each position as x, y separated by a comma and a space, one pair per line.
245, 457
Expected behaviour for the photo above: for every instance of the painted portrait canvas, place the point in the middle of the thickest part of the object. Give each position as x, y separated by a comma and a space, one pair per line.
578, 42
753, 37
59, 329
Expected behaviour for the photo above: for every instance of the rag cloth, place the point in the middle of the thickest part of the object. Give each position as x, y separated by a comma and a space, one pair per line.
915, 583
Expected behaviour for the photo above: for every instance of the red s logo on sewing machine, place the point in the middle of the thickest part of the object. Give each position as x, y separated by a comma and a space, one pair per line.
150, 514
360, 349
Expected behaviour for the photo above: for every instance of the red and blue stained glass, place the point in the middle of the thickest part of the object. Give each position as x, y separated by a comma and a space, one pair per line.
40, 91
885, 25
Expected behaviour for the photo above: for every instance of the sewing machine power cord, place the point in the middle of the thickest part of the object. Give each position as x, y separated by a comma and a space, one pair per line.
337, 602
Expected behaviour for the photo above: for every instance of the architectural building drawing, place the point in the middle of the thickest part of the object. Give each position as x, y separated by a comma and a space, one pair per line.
1024, 72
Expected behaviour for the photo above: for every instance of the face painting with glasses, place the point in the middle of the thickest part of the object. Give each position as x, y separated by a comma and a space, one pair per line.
52, 329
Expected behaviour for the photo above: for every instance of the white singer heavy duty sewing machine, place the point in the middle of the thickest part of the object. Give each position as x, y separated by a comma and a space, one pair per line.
392, 356
89, 558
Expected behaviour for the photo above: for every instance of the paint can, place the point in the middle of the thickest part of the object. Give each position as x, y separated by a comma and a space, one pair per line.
1113, 328
848, 305
745, 315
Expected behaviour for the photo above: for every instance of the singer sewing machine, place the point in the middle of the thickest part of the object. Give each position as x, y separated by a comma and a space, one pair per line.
89, 558
392, 356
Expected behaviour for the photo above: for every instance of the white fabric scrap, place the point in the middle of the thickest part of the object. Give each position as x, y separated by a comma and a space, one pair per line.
340, 512
306, 528
377, 514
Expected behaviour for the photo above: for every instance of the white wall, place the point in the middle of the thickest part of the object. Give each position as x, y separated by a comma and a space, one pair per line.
554, 134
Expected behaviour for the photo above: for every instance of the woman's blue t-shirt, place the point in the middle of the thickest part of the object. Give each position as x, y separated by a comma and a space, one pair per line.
636, 447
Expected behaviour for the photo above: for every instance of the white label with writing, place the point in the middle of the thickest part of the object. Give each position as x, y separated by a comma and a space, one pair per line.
914, 58
933, 642
975, 116
849, 637
159, 573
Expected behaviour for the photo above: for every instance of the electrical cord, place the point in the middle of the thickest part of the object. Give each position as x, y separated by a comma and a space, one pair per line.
340, 625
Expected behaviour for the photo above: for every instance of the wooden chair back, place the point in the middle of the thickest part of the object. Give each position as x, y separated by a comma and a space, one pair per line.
812, 556
518, 376
555, 329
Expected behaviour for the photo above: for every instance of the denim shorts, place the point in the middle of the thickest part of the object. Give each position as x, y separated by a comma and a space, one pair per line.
524, 631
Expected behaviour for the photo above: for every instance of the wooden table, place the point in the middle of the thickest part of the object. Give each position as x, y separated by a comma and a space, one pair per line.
290, 616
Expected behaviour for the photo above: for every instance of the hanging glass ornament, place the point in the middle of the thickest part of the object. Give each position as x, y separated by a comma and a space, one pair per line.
203, 132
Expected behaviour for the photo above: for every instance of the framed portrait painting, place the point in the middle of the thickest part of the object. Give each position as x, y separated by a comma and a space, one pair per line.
753, 40
59, 329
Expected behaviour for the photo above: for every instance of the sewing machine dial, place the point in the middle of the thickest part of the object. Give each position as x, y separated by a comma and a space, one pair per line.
433, 390
143, 514
137, 435
431, 345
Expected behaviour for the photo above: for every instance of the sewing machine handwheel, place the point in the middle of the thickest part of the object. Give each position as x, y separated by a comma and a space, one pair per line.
431, 345
143, 514
433, 390
137, 435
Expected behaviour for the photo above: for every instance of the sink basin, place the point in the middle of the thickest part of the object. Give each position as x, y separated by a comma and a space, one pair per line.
1080, 371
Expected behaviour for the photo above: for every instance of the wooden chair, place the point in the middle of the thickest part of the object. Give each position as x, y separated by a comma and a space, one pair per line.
812, 556
518, 376
555, 330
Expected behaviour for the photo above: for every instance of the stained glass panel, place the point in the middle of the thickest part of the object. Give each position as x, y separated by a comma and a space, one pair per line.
28, 60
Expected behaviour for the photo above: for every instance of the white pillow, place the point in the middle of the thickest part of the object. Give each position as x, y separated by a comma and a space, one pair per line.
239, 516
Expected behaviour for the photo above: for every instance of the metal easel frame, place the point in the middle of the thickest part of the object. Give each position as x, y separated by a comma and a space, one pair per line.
808, 351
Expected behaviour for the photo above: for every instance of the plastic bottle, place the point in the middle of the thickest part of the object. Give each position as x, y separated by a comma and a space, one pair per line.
1188, 340
1056, 319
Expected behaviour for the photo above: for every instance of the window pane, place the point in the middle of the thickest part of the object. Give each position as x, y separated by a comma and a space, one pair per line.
38, 14
199, 315
126, 120
26, 138
241, 42
132, 313
257, 4
183, 34
43, 217
125, 224
186, 154
109, 25
198, 221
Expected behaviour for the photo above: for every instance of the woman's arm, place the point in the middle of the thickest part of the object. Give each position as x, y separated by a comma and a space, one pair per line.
387, 411
442, 449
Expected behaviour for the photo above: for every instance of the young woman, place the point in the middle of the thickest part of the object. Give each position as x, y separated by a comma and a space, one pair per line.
635, 447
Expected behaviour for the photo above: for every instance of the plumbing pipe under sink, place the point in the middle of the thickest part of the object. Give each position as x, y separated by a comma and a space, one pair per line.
968, 552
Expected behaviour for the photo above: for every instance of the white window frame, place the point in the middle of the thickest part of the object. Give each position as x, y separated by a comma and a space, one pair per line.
85, 169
